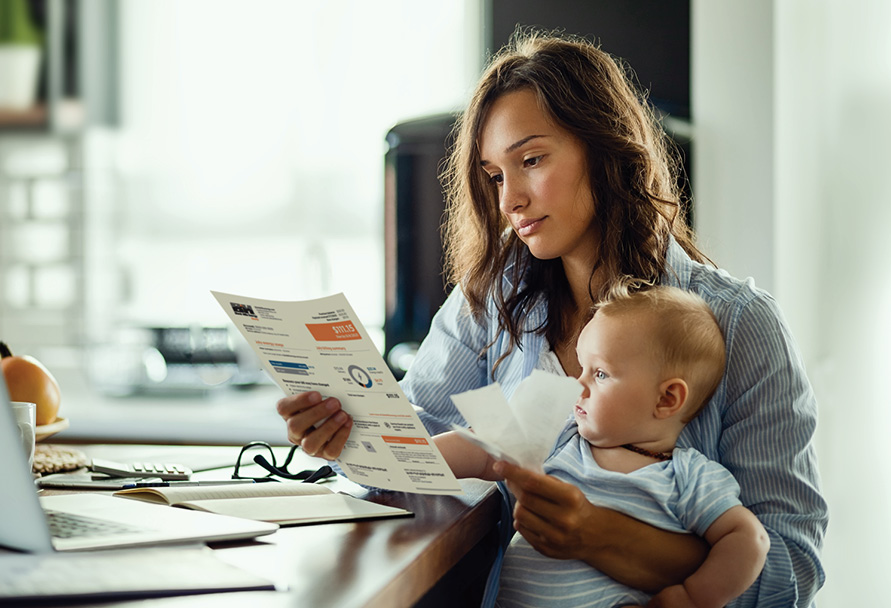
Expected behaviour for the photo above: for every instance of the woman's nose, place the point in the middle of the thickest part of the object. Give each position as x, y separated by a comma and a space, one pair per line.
513, 196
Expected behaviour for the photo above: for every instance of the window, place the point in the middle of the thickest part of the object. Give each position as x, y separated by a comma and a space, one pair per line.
250, 158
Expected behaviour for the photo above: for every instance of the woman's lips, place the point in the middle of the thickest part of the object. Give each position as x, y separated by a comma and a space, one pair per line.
529, 226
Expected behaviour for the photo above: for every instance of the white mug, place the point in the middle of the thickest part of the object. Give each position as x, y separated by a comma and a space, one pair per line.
25, 416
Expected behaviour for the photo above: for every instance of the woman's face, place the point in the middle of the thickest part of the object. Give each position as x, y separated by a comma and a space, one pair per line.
541, 174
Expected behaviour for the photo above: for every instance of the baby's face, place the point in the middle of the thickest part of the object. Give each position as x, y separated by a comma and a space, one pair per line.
620, 380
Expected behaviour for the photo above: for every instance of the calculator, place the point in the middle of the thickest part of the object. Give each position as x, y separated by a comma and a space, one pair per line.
164, 471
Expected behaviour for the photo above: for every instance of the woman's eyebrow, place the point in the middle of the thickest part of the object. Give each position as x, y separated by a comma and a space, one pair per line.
520, 143
517, 144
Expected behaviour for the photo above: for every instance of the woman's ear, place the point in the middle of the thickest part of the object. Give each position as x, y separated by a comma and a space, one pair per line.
672, 397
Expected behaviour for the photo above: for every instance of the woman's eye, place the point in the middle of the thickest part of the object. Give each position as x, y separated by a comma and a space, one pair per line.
496, 179
531, 162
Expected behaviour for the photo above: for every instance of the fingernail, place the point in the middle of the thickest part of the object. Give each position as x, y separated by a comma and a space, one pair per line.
340, 417
498, 467
331, 405
315, 398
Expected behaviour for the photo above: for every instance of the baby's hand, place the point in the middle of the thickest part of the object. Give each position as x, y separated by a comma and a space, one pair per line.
675, 596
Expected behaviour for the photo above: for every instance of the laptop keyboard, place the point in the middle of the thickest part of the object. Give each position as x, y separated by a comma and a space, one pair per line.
67, 525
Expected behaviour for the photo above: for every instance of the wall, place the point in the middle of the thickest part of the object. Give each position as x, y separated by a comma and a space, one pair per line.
733, 166
791, 103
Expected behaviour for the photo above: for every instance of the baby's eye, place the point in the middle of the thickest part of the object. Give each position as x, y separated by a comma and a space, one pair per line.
531, 162
600, 375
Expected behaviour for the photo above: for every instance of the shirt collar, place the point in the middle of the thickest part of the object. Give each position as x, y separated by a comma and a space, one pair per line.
678, 266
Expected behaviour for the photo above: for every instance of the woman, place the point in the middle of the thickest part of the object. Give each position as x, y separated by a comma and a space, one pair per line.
558, 186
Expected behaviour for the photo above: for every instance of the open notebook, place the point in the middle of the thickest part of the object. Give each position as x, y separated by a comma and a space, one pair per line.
90, 521
286, 503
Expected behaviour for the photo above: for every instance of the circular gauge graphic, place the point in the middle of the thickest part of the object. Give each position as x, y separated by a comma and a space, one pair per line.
360, 376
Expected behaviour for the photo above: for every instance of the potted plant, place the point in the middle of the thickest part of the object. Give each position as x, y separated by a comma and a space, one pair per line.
20, 47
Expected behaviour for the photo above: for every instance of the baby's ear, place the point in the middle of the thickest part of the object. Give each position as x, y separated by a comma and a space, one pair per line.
672, 397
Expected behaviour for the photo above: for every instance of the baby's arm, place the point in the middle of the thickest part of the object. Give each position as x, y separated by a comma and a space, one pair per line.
739, 549
464, 458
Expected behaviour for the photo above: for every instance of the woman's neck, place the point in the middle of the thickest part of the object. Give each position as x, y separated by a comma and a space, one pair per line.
578, 275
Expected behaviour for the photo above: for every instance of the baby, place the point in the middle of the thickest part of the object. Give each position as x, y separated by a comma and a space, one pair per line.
650, 360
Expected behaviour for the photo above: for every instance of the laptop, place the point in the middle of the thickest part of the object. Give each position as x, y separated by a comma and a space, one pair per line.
99, 521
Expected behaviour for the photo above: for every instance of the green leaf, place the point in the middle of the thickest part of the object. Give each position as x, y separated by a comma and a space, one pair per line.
16, 24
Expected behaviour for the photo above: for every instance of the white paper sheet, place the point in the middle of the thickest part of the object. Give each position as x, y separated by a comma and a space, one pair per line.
525, 430
321, 345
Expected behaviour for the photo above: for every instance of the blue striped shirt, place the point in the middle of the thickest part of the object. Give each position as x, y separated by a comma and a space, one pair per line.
759, 424
685, 494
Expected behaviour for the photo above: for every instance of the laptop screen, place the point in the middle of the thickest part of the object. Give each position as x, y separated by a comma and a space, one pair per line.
22, 522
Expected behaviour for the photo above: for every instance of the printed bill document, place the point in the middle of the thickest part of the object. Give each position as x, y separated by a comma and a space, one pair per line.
321, 345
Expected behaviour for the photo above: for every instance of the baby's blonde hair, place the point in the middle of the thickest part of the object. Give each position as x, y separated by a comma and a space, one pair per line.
687, 339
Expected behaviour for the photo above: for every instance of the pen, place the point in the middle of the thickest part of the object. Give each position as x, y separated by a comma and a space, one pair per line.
177, 484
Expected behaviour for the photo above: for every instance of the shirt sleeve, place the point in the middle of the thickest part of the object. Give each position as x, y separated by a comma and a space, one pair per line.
706, 490
448, 362
766, 443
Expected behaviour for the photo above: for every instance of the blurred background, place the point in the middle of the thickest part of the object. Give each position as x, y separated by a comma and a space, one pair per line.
154, 150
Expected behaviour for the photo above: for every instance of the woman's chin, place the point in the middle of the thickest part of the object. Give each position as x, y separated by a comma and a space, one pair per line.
540, 253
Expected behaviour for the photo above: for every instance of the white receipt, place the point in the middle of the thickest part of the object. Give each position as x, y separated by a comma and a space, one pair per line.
320, 345
525, 430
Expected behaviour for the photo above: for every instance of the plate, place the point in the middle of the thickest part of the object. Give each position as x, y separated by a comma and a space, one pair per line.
42, 431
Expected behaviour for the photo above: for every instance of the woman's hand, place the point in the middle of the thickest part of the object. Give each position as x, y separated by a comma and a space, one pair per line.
558, 521
552, 515
304, 411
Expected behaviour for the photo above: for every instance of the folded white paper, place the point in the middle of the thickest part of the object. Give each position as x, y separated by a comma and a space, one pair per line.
525, 430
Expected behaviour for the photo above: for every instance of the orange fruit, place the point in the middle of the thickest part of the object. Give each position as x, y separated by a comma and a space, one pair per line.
27, 379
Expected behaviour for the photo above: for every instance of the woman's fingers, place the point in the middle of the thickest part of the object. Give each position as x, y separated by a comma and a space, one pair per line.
323, 441
549, 513
292, 405
302, 412
318, 425
540, 493
335, 445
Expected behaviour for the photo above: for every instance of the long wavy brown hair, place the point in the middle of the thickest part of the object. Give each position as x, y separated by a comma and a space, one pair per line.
632, 172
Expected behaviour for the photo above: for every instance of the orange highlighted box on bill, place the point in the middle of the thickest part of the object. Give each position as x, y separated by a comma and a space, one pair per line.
330, 332
405, 440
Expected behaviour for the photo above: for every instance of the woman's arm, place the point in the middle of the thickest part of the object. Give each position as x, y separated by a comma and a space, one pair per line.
464, 458
448, 362
558, 521
768, 418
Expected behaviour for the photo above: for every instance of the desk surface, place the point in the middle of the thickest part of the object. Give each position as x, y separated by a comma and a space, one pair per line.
383, 563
